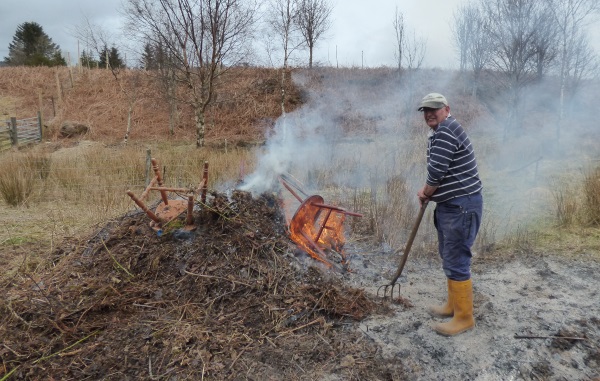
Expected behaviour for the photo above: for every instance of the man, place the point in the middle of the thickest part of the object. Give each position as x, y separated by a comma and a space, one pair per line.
453, 184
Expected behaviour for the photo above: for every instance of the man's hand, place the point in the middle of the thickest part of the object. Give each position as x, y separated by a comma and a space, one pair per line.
425, 193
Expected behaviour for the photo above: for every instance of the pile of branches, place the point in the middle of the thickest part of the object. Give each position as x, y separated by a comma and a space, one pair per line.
227, 301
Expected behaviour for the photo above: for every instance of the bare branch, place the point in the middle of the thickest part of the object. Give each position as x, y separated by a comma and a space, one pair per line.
313, 19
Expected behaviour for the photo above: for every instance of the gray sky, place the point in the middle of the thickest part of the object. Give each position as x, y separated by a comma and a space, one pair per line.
362, 32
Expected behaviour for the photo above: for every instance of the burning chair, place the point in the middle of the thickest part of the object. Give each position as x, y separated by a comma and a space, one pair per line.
317, 227
168, 210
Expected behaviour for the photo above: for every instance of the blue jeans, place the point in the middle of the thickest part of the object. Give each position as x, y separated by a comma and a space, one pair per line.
457, 222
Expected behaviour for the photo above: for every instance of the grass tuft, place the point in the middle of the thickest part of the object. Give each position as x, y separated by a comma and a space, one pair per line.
16, 181
591, 199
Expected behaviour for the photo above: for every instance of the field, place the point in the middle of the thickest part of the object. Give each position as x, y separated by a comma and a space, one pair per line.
93, 292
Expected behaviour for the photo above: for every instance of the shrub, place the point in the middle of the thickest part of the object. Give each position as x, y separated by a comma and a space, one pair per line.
16, 182
591, 199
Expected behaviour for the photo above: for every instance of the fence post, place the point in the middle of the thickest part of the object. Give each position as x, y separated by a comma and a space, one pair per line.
14, 139
148, 165
40, 101
41, 129
58, 88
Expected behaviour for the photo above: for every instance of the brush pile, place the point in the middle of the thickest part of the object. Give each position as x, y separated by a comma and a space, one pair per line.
226, 301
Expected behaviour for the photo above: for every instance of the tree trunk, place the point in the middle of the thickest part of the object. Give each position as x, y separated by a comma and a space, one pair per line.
128, 131
200, 126
172, 117
283, 89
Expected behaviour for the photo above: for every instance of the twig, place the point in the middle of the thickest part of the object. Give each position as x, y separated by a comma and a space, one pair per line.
549, 337
317, 320
65, 349
217, 277
239, 355
12, 350
114, 259
8, 305
38, 287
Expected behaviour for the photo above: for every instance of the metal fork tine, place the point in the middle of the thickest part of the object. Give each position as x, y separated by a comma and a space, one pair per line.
405, 256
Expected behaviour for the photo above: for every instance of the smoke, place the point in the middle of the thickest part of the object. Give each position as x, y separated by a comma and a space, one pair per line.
359, 131
298, 139
353, 131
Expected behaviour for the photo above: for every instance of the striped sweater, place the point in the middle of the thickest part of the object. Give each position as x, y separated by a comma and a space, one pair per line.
451, 164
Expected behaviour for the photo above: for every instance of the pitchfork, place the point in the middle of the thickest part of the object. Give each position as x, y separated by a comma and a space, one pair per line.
390, 287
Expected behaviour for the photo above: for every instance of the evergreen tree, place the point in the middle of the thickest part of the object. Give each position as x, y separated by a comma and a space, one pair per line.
87, 60
31, 46
148, 60
114, 58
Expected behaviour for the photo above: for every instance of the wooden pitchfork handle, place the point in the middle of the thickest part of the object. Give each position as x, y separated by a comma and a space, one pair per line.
411, 239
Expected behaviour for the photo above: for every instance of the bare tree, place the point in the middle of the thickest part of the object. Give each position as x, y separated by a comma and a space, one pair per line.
472, 40
314, 19
513, 27
584, 62
571, 17
479, 52
465, 18
204, 38
280, 22
469, 33
545, 44
398, 24
414, 49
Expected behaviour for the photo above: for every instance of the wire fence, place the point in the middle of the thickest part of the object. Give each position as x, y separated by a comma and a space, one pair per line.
20, 132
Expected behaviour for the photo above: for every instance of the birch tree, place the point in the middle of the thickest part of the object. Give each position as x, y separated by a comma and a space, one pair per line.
398, 25
204, 38
281, 25
314, 19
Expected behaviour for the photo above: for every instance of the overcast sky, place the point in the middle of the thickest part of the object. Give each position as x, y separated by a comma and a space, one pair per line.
361, 34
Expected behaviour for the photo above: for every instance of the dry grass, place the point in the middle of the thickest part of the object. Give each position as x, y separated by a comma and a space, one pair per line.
95, 98
591, 199
68, 192
16, 183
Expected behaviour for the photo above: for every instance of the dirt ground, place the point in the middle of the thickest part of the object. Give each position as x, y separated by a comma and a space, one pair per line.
236, 300
522, 305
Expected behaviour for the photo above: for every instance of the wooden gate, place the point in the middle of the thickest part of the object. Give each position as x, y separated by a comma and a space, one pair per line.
20, 132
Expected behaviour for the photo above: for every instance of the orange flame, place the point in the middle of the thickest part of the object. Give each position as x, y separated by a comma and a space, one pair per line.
316, 228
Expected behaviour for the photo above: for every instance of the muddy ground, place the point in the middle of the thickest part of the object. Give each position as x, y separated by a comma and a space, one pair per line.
236, 300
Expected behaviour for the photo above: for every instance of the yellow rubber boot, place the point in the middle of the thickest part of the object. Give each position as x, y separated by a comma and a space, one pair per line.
445, 310
462, 295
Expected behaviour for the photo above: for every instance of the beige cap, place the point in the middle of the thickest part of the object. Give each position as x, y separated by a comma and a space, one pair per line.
433, 100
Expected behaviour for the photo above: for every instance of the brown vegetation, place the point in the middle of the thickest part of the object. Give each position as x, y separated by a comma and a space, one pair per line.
220, 302
94, 97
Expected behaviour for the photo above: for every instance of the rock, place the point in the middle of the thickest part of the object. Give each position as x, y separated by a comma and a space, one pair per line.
71, 129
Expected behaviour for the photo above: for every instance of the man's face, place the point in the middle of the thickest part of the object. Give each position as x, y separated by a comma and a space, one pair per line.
434, 116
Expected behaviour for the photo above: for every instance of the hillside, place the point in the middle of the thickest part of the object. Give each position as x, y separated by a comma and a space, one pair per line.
244, 108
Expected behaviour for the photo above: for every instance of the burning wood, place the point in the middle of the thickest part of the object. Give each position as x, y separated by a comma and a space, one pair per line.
318, 228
